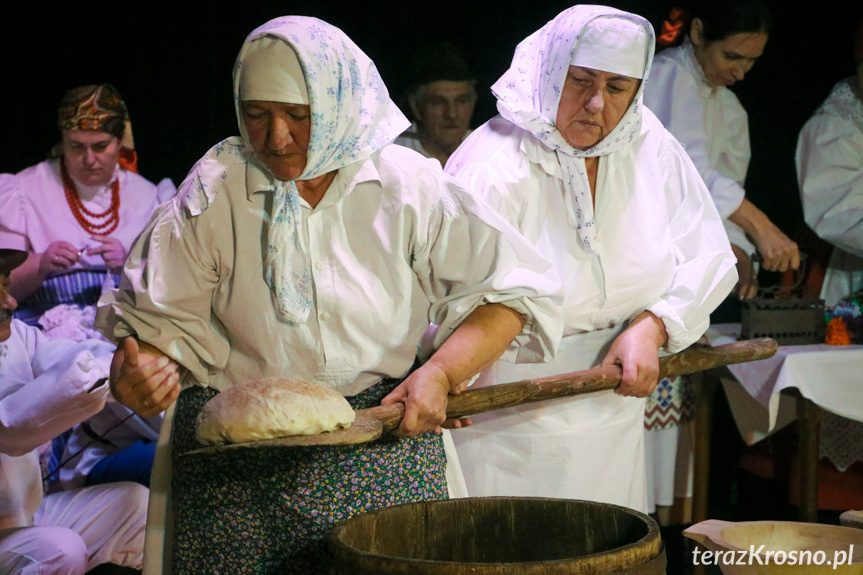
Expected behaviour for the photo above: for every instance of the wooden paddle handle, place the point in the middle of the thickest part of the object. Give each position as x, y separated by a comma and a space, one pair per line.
505, 395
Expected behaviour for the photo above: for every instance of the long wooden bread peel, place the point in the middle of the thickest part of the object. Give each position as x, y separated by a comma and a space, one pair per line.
370, 423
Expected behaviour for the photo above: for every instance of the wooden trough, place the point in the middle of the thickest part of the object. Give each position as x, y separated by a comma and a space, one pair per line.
499, 535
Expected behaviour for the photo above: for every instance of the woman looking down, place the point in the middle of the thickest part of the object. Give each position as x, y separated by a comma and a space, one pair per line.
597, 185
310, 247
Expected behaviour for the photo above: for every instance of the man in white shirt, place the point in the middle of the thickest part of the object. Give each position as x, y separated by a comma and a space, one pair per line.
47, 386
441, 100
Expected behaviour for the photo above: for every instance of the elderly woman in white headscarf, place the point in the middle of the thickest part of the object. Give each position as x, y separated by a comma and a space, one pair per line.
310, 247
595, 182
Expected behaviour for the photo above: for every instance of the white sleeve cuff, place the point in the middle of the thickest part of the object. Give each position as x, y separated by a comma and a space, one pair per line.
678, 334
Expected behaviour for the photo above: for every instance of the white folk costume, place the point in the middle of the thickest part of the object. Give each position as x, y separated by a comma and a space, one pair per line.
410, 139
35, 214
238, 277
710, 122
87, 448
38, 209
830, 173
654, 242
45, 389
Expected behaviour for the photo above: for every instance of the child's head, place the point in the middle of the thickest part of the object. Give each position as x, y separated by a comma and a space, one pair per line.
9, 260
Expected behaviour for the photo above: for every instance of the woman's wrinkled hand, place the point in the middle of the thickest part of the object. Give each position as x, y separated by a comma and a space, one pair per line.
424, 394
111, 250
747, 279
58, 257
146, 384
636, 351
778, 253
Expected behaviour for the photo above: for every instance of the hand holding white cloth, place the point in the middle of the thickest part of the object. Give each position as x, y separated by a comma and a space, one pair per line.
34, 413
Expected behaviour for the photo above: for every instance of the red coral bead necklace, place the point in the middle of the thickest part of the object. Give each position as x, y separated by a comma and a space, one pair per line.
83, 216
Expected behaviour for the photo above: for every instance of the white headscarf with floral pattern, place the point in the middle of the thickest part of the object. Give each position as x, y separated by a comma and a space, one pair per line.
528, 95
352, 117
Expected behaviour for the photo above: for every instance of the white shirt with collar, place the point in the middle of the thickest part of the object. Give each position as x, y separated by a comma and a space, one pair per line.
393, 244
410, 138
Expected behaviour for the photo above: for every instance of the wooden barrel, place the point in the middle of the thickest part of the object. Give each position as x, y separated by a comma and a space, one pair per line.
498, 535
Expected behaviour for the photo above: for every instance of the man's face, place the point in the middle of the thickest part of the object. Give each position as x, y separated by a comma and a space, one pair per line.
7, 307
443, 110
90, 156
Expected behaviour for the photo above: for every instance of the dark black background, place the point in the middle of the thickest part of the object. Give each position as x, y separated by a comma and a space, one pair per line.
172, 63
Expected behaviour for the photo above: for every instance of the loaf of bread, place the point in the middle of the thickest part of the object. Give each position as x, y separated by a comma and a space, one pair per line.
269, 408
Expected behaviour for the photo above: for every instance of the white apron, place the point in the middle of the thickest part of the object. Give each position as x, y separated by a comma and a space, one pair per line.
584, 447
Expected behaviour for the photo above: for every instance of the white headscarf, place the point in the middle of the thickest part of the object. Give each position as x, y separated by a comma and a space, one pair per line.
528, 95
615, 45
272, 73
352, 117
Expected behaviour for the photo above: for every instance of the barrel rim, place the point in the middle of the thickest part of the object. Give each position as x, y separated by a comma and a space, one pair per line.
652, 538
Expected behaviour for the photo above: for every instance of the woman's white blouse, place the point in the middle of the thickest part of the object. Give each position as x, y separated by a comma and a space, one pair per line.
830, 174
393, 244
35, 213
660, 243
709, 122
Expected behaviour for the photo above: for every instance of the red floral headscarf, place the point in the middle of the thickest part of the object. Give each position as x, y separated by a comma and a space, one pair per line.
100, 108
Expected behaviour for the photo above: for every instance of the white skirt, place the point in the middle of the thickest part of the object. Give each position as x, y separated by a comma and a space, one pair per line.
583, 447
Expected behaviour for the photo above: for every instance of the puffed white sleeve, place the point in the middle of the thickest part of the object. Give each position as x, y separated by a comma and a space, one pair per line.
173, 316
60, 396
672, 94
482, 181
705, 270
467, 255
165, 190
13, 216
829, 163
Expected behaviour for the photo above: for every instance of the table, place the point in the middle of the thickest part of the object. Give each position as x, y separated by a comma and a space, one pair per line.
822, 377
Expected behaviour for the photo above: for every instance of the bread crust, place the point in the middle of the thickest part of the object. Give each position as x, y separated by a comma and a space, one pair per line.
272, 407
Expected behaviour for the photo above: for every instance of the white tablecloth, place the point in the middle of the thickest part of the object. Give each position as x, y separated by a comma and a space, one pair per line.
830, 376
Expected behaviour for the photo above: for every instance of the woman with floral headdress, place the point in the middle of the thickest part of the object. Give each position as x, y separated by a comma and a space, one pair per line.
595, 183
78, 212
311, 247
